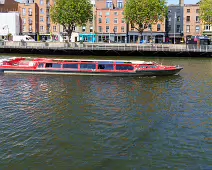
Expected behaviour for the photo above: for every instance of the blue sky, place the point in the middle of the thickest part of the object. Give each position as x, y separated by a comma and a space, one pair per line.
185, 1
172, 1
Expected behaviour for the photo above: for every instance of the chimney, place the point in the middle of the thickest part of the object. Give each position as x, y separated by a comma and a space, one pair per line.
181, 2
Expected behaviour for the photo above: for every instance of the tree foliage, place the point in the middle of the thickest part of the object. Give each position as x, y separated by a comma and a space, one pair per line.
71, 13
206, 11
142, 13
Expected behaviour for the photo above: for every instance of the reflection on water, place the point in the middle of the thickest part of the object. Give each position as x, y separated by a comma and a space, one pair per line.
88, 122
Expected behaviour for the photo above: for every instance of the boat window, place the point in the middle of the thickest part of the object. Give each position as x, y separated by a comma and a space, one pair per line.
153, 66
87, 66
48, 64
41, 65
105, 67
143, 66
53, 65
75, 66
118, 67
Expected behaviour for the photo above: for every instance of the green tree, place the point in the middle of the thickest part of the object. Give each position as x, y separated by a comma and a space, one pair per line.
206, 11
71, 13
143, 13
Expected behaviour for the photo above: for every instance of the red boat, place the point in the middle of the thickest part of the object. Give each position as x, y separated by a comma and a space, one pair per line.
86, 67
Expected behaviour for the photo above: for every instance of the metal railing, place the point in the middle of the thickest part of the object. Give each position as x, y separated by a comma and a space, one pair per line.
107, 47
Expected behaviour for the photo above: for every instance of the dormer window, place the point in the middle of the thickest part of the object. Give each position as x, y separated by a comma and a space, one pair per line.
120, 4
109, 4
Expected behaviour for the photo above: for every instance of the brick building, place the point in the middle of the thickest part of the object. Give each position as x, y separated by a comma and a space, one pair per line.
35, 20
192, 23
8, 5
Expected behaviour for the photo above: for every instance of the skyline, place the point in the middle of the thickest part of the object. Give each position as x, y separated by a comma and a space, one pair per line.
169, 1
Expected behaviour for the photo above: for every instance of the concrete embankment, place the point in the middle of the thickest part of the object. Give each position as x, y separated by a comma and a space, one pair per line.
105, 49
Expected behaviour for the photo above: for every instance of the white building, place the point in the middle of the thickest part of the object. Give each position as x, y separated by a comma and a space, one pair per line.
9, 23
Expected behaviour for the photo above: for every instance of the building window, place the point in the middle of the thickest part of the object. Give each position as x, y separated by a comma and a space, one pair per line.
120, 4
188, 10
115, 20
100, 28
100, 13
41, 2
169, 28
197, 11
197, 19
107, 28
24, 28
115, 29
122, 29
41, 28
107, 20
24, 11
24, 21
91, 29
187, 28
158, 27
30, 20
178, 18
54, 28
188, 18
197, 29
41, 19
100, 20
109, 4
41, 11
115, 13
30, 11
207, 27
122, 20
150, 27
107, 13
178, 28
30, 28
83, 29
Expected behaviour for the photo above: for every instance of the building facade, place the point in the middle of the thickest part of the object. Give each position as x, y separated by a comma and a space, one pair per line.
88, 31
110, 23
207, 30
192, 23
36, 22
29, 19
8, 5
9, 24
174, 24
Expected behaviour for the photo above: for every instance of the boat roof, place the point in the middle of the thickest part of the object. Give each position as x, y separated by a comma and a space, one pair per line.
83, 60
107, 61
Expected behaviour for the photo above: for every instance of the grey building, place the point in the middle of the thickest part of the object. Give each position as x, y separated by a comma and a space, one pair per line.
174, 23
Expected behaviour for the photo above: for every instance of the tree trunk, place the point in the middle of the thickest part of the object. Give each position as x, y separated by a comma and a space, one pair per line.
69, 35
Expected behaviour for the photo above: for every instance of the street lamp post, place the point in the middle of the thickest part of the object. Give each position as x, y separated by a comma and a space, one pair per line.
93, 20
174, 25
109, 20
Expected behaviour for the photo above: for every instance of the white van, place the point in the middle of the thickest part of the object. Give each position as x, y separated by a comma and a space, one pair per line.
22, 38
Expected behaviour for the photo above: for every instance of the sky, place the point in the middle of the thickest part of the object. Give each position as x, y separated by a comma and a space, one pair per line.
172, 1
185, 1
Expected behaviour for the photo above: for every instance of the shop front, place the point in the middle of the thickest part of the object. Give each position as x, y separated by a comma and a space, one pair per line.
147, 37
44, 37
88, 37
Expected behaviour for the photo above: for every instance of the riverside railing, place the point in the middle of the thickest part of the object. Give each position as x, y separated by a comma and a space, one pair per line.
107, 47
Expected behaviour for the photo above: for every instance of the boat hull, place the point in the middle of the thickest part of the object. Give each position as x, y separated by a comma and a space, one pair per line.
62, 72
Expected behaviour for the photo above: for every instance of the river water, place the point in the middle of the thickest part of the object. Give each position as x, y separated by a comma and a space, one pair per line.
108, 123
